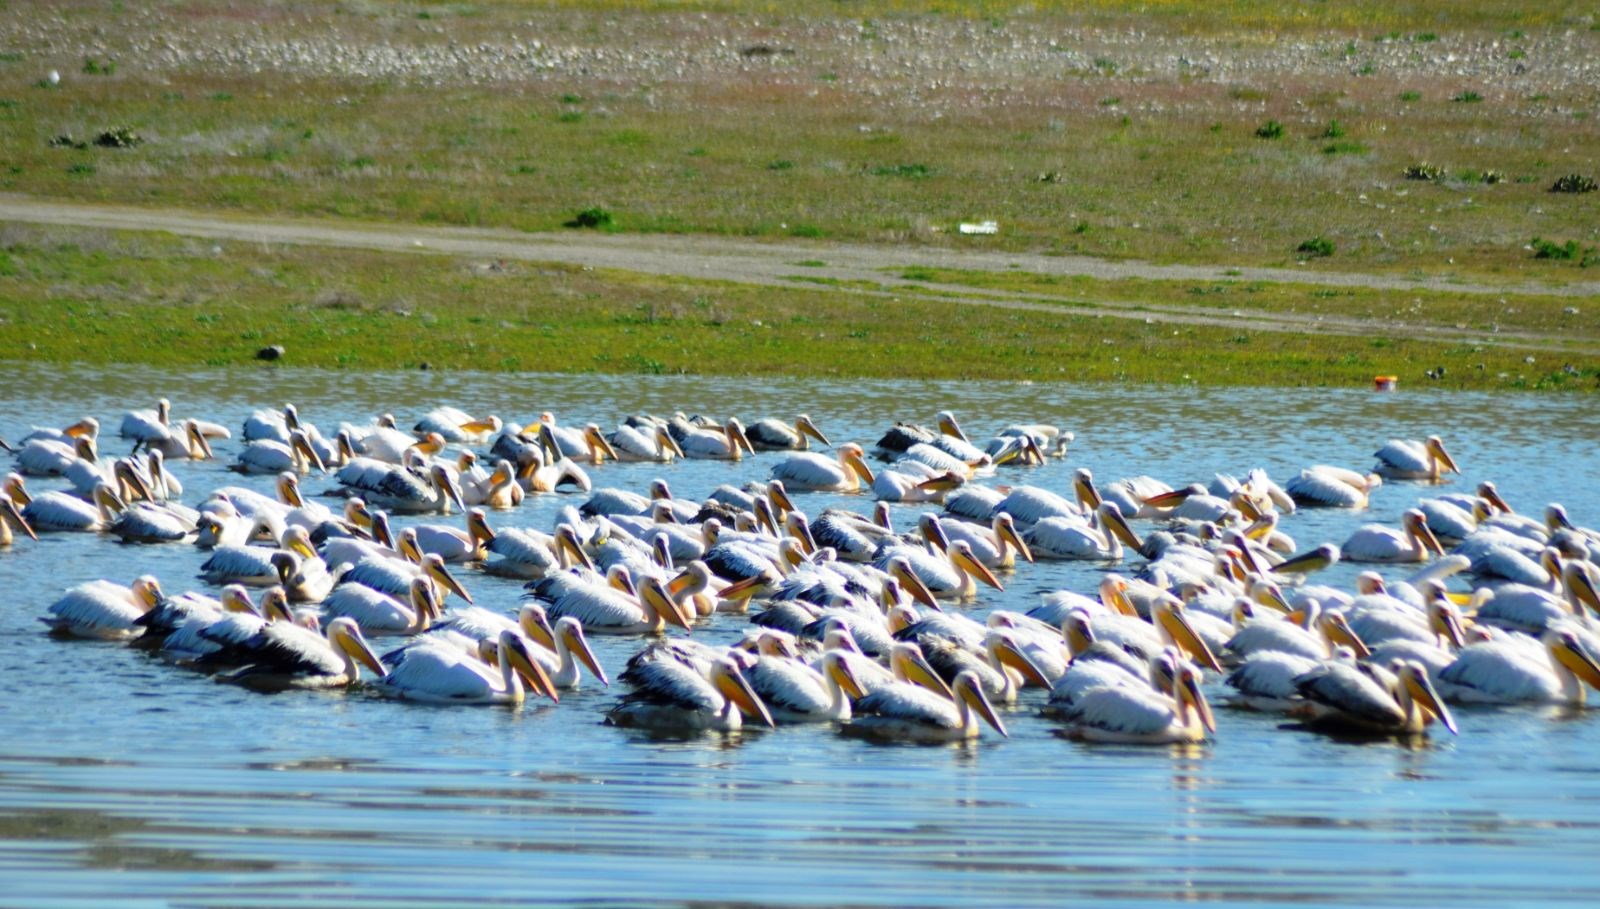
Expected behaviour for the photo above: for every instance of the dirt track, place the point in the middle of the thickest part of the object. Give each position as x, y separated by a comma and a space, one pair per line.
776, 264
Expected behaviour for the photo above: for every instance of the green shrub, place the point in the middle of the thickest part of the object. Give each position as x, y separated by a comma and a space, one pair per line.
1431, 173
1467, 97
909, 171
1549, 249
1271, 129
1573, 183
593, 218
119, 137
1334, 130
1316, 247
1411, 96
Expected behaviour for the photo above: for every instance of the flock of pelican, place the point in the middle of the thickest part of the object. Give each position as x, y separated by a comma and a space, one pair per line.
850, 621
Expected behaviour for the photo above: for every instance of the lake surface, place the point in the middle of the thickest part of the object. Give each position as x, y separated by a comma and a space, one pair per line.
127, 782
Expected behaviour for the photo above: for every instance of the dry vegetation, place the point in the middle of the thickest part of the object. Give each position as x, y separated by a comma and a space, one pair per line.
1103, 128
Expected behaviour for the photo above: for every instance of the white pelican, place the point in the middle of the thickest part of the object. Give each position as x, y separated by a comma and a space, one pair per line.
146, 522
793, 691
775, 435
46, 453
456, 426
1505, 671
1311, 560
996, 546
564, 647
209, 640
915, 483
148, 425
1326, 486
606, 610
914, 713
11, 515
1404, 459
676, 698
953, 575
1127, 714
586, 444
538, 473
103, 610
399, 490
1322, 632
271, 424
1398, 700
191, 445
271, 456
810, 472
1032, 504
442, 674
1265, 680
1413, 542
61, 511
284, 655
527, 554
379, 612
454, 544
1002, 668
1074, 538
656, 444
728, 444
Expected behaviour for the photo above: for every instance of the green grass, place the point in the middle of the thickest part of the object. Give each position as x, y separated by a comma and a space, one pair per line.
85, 296
824, 139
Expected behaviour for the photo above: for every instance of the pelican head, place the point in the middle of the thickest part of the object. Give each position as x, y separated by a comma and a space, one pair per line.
909, 665
1555, 517
1077, 628
1570, 653
237, 599
949, 426
598, 444
15, 489
667, 442
345, 635
1315, 560
969, 692
854, 457
1114, 594
899, 568
1005, 531
1436, 452
1190, 697
1580, 584
569, 549
1083, 489
445, 482
1006, 652
514, 649
836, 666
305, 456
804, 427
962, 558
1413, 678
737, 440
11, 513
147, 591
1336, 629
433, 568
653, 595
1416, 526
569, 631
1171, 618
732, 684
1112, 517
88, 427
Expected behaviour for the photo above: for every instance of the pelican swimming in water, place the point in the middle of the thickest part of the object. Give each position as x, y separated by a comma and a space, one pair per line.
810, 472
677, 698
1074, 538
728, 444
793, 691
1325, 486
1413, 542
47, 452
399, 490
587, 444
286, 656
379, 612
103, 610
635, 444
1395, 700
1404, 459
607, 610
995, 546
11, 516
915, 712
271, 456
776, 435
1554, 669
438, 673
1130, 715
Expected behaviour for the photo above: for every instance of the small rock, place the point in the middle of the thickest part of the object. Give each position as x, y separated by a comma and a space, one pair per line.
274, 352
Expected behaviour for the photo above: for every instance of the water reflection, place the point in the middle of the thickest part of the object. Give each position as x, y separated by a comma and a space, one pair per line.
124, 780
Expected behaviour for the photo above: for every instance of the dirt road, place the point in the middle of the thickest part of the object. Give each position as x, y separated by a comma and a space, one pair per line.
870, 270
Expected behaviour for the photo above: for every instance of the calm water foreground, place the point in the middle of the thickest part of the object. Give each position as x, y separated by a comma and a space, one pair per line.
127, 782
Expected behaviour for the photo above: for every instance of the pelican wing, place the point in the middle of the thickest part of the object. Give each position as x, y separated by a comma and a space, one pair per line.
910, 704
1270, 674
1346, 689
1125, 709
1502, 672
810, 471
441, 672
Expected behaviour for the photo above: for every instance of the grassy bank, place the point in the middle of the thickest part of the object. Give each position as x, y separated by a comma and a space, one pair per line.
1168, 130
86, 296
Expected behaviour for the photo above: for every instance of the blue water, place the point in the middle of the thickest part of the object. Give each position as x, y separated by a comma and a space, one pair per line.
127, 782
